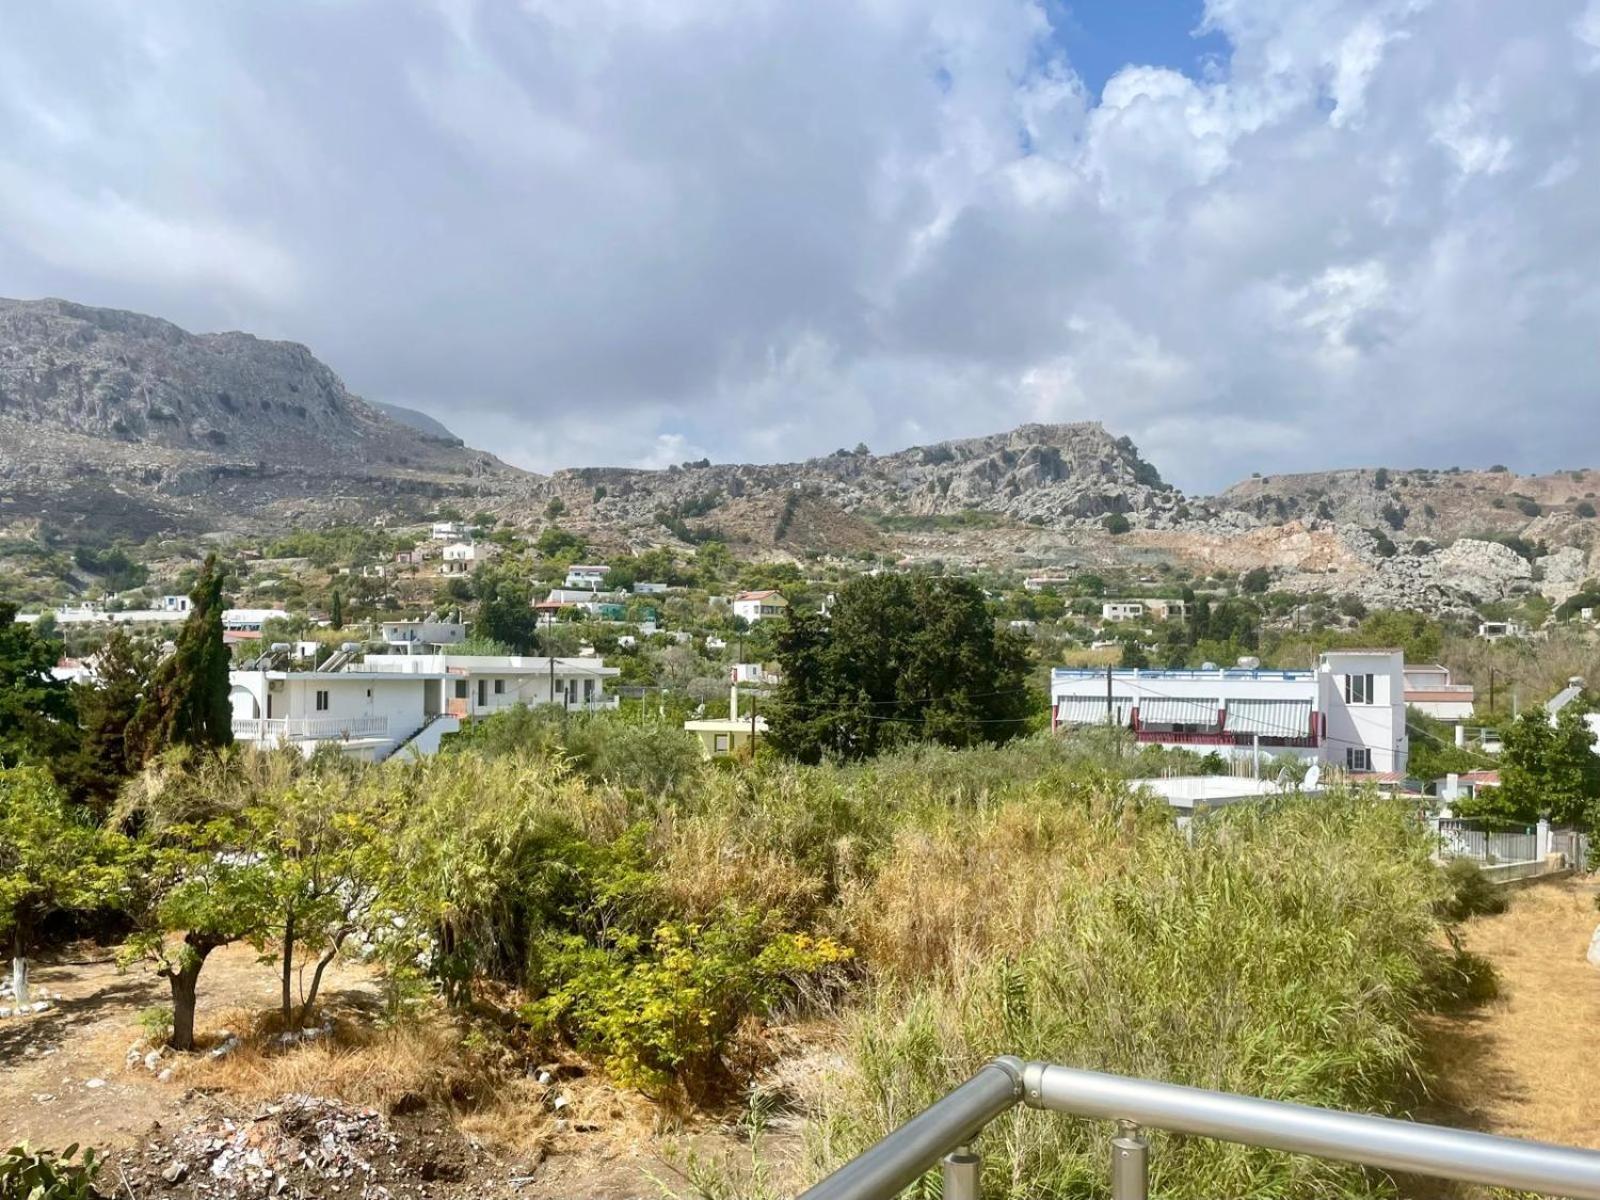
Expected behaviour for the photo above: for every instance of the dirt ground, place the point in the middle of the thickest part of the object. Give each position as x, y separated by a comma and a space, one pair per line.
68, 1075
1522, 1064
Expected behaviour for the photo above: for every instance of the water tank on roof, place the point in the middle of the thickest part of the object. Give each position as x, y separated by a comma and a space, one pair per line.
1250, 662
280, 647
1208, 666
349, 647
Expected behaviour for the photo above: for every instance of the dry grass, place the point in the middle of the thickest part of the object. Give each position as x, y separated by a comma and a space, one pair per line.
1521, 1065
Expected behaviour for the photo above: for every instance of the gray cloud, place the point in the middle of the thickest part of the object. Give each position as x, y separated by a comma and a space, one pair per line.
630, 231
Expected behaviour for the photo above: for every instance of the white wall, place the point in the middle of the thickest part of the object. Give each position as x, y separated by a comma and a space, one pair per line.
1380, 725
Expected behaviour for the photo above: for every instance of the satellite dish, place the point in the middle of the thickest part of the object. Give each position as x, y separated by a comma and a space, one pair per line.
1313, 776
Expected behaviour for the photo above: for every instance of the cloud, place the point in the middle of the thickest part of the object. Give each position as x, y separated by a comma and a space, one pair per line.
645, 230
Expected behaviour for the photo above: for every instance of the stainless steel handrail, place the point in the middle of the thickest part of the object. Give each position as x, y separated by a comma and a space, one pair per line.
949, 1126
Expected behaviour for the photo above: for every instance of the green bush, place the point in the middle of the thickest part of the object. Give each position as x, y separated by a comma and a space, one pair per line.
28, 1174
1285, 954
1469, 894
662, 1009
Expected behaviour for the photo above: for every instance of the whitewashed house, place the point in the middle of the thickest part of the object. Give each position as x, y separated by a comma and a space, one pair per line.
1430, 691
588, 576
419, 637
449, 531
647, 588
1122, 610
476, 685
1350, 712
759, 605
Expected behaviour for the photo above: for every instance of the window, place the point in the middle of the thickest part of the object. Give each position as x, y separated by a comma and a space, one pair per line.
588, 690
1358, 758
461, 689
499, 687
322, 700
483, 692
1358, 689
721, 742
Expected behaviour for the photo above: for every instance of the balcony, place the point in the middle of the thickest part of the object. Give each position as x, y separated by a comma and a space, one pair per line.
1222, 738
308, 729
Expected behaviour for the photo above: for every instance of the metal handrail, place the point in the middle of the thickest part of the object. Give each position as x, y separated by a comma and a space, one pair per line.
947, 1129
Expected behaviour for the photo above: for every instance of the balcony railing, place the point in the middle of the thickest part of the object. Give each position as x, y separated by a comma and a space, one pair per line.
1222, 738
308, 729
945, 1134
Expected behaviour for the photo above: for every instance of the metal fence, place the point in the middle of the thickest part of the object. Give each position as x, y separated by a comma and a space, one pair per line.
1572, 843
1458, 840
945, 1134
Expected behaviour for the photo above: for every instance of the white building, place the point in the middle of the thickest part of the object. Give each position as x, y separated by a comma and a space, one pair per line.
732, 734
458, 558
404, 703
418, 637
365, 716
759, 606
592, 602
588, 576
647, 588
449, 531
476, 685
1157, 609
1350, 712
1429, 691
174, 604
1494, 631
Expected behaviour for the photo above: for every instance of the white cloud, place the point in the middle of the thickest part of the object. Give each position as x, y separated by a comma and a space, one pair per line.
642, 232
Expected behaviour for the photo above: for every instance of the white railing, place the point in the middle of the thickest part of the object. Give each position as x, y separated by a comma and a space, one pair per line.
1460, 841
945, 1134
308, 729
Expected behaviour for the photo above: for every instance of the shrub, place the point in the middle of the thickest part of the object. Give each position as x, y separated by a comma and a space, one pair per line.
1529, 508
1585, 509
28, 1174
1285, 954
661, 1009
1116, 524
1470, 894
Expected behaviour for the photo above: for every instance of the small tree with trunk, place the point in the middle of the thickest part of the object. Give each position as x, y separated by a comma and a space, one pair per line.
207, 885
106, 707
324, 841
336, 610
53, 859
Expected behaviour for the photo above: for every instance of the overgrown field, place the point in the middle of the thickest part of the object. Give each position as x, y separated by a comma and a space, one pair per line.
930, 909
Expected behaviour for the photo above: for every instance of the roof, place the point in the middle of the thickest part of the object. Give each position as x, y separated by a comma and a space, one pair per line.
767, 594
725, 725
1454, 695
1365, 650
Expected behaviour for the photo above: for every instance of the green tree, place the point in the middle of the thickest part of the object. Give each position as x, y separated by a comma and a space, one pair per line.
336, 610
1255, 581
36, 713
1545, 770
505, 613
106, 707
1116, 524
901, 658
186, 703
52, 859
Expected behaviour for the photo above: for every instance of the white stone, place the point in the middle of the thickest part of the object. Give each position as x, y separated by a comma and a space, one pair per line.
1594, 948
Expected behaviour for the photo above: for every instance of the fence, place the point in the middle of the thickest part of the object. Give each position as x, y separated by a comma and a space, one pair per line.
945, 1133
1457, 839
267, 729
1572, 843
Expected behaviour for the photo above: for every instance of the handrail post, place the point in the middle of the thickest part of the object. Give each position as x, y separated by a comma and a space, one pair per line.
963, 1174
1130, 1163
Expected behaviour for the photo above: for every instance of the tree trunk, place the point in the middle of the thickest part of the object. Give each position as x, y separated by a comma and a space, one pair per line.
316, 979
288, 968
183, 983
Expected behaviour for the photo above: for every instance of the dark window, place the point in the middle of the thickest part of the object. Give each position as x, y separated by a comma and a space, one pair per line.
1358, 689
483, 692
461, 689
499, 687
1358, 758
322, 701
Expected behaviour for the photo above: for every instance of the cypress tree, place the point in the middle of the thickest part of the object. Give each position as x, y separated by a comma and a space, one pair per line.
187, 701
336, 610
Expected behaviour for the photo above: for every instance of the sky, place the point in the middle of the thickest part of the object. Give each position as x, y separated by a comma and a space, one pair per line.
1253, 235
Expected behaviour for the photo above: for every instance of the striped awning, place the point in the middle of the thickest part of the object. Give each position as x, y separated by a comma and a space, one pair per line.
1270, 718
1179, 710
1091, 710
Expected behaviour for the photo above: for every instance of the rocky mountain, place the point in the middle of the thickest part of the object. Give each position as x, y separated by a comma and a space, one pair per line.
1058, 476
126, 423
420, 421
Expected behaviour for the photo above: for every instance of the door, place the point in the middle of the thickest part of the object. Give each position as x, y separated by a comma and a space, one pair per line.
483, 693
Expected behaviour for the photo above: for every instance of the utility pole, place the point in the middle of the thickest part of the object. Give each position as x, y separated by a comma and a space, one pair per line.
1108, 694
754, 700
1491, 693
